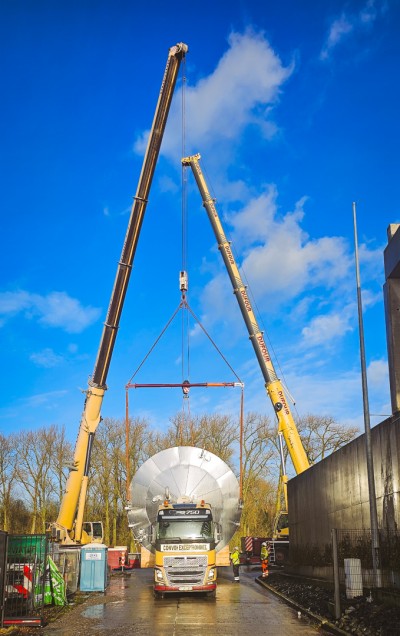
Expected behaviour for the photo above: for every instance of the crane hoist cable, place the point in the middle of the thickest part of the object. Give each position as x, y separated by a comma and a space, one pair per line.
183, 174
183, 279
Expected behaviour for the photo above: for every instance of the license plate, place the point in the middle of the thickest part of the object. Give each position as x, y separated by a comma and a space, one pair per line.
186, 588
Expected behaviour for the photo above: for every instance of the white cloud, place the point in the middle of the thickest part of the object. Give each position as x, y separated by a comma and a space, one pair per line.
281, 259
370, 11
348, 24
312, 280
48, 401
334, 392
338, 395
57, 309
370, 298
287, 267
217, 300
60, 310
338, 30
166, 184
325, 328
371, 263
46, 358
11, 303
378, 373
108, 212
255, 223
238, 93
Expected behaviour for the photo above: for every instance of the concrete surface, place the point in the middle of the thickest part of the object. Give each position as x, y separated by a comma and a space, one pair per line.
128, 607
334, 492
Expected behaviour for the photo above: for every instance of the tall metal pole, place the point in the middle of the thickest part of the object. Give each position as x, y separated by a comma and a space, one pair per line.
370, 462
336, 582
127, 446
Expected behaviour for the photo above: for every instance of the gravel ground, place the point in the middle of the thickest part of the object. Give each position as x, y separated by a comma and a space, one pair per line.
363, 616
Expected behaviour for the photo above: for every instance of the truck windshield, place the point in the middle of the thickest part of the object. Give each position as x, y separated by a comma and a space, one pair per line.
184, 529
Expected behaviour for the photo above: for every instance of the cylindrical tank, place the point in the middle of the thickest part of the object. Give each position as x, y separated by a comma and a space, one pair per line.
184, 473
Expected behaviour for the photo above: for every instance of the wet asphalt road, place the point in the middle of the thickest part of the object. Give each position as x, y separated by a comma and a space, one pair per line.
128, 607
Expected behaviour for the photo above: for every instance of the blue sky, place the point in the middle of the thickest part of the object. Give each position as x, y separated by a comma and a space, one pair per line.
294, 110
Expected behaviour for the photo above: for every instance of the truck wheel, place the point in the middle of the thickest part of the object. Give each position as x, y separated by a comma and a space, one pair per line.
212, 594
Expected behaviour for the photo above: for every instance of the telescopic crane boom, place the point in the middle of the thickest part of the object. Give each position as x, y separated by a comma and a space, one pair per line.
286, 424
69, 525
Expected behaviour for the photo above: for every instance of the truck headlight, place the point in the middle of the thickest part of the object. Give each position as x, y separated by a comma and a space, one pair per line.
211, 573
159, 575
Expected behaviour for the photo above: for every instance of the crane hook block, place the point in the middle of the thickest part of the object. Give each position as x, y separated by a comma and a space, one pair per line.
185, 388
183, 281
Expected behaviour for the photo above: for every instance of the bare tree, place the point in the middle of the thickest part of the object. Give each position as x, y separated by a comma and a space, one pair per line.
8, 459
217, 433
33, 465
182, 431
258, 449
103, 477
138, 439
33, 471
258, 454
62, 459
108, 488
322, 435
258, 510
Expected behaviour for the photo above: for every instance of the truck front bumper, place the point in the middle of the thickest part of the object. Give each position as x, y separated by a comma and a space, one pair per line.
185, 588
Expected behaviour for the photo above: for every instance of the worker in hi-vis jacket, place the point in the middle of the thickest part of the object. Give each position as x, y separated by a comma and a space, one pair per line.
235, 560
264, 555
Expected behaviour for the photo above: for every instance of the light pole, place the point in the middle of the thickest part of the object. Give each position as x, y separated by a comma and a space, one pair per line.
370, 461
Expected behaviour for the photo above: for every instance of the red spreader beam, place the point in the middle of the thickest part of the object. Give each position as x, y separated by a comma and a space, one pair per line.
182, 385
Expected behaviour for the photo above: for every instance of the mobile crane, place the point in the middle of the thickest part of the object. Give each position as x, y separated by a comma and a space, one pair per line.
286, 424
69, 527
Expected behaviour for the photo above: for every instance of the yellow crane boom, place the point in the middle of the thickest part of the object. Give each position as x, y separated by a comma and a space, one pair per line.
69, 525
286, 424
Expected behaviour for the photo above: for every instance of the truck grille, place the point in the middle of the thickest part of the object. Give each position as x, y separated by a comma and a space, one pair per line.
185, 569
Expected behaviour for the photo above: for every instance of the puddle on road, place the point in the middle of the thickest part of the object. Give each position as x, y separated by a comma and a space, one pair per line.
100, 611
95, 611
